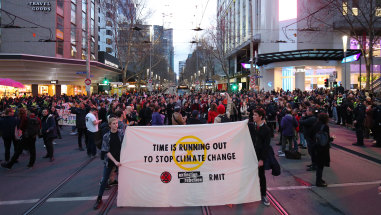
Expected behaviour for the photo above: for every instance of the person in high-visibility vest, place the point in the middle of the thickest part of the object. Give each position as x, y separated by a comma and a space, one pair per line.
339, 103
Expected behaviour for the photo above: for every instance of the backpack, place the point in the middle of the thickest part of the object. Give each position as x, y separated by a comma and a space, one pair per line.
224, 118
321, 137
32, 128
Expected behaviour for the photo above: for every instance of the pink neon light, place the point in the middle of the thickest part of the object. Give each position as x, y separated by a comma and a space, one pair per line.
288, 9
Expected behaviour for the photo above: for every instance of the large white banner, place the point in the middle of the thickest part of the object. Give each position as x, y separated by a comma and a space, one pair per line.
191, 165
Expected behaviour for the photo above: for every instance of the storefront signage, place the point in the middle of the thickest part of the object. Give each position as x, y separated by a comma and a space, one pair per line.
59, 34
247, 66
109, 63
54, 81
40, 6
351, 58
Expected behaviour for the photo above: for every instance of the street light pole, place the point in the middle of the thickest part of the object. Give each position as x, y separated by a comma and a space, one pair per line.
345, 41
88, 76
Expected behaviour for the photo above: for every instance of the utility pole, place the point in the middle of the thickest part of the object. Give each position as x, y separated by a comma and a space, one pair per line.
88, 35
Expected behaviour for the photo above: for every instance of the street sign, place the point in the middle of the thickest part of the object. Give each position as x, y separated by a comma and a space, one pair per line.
150, 81
87, 82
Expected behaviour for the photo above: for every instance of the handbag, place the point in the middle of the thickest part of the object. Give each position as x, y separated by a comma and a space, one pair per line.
272, 163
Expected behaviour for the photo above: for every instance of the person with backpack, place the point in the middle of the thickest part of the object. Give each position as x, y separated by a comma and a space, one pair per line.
323, 139
221, 117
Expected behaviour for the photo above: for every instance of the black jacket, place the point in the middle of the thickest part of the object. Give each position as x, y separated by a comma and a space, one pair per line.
322, 152
261, 139
7, 126
80, 119
48, 127
308, 127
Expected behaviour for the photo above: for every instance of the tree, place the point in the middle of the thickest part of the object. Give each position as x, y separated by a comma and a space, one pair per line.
360, 20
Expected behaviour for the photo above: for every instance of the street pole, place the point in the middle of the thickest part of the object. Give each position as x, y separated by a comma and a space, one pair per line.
88, 76
251, 41
345, 41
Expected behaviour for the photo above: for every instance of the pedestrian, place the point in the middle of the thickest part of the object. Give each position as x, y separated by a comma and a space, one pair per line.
212, 113
308, 121
322, 152
157, 119
92, 128
80, 123
222, 116
359, 120
261, 135
49, 133
377, 122
177, 118
288, 125
195, 119
8, 124
111, 146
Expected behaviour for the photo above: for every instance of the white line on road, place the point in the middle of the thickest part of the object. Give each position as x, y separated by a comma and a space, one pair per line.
91, 198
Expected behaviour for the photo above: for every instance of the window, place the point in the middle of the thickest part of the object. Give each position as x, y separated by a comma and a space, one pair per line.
92, 27
92, 14
109, 23
99, 19
83, 21
84, 54
355, 11
92, 45
109, 32
108, 41
83, 39
108, 49
60, 23
60, 3
99, 28
73, 51
378, 7
73, 11
72, 34
84, 6
345, 8
108, 14
59, 47
99, 38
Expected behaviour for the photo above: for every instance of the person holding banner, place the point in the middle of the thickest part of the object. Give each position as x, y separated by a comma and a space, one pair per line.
261, 136
111, 146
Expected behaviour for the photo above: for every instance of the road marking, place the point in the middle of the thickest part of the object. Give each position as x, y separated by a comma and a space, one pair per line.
91, 198
63, 199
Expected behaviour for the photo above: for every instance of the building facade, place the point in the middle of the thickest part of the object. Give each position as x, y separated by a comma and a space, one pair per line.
52, 34
294, 50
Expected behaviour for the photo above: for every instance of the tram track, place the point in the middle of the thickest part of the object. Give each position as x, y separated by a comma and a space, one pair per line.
42, 200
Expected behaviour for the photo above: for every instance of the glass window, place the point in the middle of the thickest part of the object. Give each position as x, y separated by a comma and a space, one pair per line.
108, 49
73, 11
84, 54
60, 23
83, 21
72, 34
355, 11
59, 47
378, 11
92, 45
92, 10
345, 8
109, 32
83, 39
73, 51
108, 41
92, 27
84, 6
109, 23
60, 3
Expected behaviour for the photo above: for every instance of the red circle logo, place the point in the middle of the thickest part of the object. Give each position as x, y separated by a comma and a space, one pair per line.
165, 177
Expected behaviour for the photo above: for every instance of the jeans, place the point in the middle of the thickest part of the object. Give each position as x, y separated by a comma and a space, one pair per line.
334, 114
82, 132
287, 141
106, 174
48, 142
91, 148
302, 139
7, 146
262, 180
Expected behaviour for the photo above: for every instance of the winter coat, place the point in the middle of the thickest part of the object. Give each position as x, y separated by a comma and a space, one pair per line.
80, 119
308, 124
48, 127
157, 119
288, 125
7, 126
322, 152
211, 116
261, 140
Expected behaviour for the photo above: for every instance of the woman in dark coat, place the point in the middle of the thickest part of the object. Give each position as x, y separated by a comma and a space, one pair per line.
322, 152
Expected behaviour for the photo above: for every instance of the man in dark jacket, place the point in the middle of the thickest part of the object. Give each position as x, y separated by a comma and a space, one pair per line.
261, 135
49, 133
308, 121
195, 119
7, 126
80, 123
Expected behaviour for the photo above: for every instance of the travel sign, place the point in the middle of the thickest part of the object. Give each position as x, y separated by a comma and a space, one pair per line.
351, 58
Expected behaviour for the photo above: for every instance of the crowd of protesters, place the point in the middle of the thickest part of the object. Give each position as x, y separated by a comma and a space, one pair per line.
296, 115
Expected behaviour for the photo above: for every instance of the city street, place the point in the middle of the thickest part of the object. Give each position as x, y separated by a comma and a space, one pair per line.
70, 184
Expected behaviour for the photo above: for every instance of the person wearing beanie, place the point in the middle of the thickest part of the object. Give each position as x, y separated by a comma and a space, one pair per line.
194, 119
221, 118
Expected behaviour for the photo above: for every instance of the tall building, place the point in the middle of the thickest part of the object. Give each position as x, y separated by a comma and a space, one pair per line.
294, 50
168, 37
44, 44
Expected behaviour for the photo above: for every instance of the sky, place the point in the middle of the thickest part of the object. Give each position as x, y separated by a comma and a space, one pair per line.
183, 16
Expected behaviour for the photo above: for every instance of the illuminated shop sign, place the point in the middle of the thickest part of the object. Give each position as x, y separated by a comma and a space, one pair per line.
247, 66
351, 58
40, 6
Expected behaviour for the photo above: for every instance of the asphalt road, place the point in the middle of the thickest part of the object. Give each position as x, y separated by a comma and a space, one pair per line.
70, 184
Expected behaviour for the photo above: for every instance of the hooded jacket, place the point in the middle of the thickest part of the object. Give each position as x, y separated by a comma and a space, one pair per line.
288, 125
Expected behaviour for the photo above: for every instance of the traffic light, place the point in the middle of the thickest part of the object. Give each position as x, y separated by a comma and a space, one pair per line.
105, 81
234, 87
335, 84
326, 82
